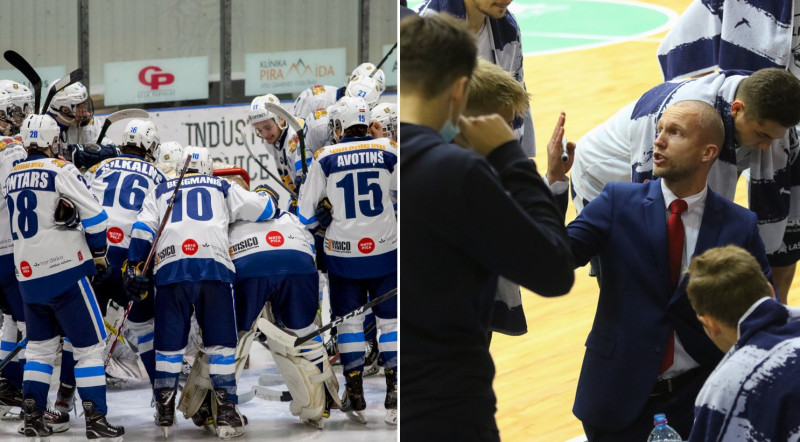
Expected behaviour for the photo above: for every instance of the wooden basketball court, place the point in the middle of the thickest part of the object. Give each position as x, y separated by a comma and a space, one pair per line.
537, 373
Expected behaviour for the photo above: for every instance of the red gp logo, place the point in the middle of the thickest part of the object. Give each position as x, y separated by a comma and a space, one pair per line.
156, 80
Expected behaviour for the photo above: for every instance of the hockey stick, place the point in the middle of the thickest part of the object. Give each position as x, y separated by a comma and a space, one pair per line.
15, 352
29, 72
73, 77
264, 168
303, 339
291, 121
121, 115
151, 254
385, 57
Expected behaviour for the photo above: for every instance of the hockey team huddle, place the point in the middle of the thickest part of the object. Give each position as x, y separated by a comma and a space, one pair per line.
141, 248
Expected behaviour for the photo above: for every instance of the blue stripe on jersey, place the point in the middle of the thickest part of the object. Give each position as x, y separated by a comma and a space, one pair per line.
88, 372
172, 359
95, 220
269, 211
347, 338
194, 269
222, 359
146, 338
388, 337
90, 297
274, 262
142, 226
652, 100
306, 221
363, 267
356, 159
34, 179
7, 345
194, 181
38, 366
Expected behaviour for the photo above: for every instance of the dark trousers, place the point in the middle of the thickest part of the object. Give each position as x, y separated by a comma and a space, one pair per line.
678, 406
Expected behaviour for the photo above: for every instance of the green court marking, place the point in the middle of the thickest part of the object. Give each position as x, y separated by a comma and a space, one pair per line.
550, 26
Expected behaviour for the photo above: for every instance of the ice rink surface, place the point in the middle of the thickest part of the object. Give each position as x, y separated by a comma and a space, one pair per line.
268, 420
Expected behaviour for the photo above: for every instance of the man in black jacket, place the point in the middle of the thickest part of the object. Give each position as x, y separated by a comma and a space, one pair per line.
468, 216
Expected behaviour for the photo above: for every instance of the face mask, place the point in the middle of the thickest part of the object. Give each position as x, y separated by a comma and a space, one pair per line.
449, 130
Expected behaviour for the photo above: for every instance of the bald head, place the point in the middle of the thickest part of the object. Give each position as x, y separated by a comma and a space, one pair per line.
705, 116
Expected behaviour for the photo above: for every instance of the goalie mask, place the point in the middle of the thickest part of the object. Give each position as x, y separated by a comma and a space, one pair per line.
366, 88
364, 70
40, 132
386, 114
346, 113
201, 160
72, 105
144, 135
17, 104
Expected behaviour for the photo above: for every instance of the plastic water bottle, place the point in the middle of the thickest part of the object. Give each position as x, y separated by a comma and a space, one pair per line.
663, 432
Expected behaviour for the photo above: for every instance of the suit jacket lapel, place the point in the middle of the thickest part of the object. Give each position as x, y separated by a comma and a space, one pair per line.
656, 231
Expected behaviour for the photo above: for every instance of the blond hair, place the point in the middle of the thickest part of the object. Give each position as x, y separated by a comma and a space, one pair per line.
491, 89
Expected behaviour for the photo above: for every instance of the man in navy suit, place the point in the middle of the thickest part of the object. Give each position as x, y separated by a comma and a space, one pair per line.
647, 353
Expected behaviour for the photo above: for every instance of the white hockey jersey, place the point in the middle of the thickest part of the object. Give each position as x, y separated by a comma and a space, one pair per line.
194, 243
318, 135
48, 257
121, 184
11, 153
316, 97
288, 159
359, 178
280, 246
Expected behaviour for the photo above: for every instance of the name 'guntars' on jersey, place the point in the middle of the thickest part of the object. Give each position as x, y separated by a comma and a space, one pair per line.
359, 178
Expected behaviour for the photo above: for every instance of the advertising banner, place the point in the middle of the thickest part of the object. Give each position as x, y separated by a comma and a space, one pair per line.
295, 71
48, 75
153, 81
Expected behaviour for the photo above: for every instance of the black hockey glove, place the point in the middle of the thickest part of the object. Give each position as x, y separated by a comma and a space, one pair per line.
101, 264
66, 214
87, 155
135, 283
323, 214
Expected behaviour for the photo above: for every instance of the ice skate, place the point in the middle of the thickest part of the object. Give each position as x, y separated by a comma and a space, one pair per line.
229, 422
204, 417
57, 420
65, 398
353, 403
165, 409
36, 429
390, 403
10, 397
98, 428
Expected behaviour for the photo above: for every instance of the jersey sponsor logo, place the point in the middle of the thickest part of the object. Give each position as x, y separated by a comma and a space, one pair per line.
337, 246
293, 143
60, 163
359, 146
319, 113
359, 158
244, 245
80, 256
189, 247
165, 253
275, 239
366, 246
25, 269
115, 235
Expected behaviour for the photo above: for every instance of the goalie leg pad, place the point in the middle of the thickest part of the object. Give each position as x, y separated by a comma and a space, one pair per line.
299, 368
197, 385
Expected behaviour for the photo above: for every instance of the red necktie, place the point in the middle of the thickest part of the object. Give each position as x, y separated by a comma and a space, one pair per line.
675, 240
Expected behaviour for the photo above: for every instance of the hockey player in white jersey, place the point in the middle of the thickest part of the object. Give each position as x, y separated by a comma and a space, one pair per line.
282, 140
53, 264
11, 153
323, 96
275, 263
383, 123
359, 177
121, 185
72, 109
366, 70
193, 268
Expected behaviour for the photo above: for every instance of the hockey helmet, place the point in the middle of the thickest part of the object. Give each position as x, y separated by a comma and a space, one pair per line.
386, 114
169, 152
142, 134
364, 70
40, 131
17, 105
201, 161
66, 102
346, 113
258, 112
366, 88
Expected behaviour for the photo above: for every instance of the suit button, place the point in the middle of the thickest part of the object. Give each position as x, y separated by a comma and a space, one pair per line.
658, 349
